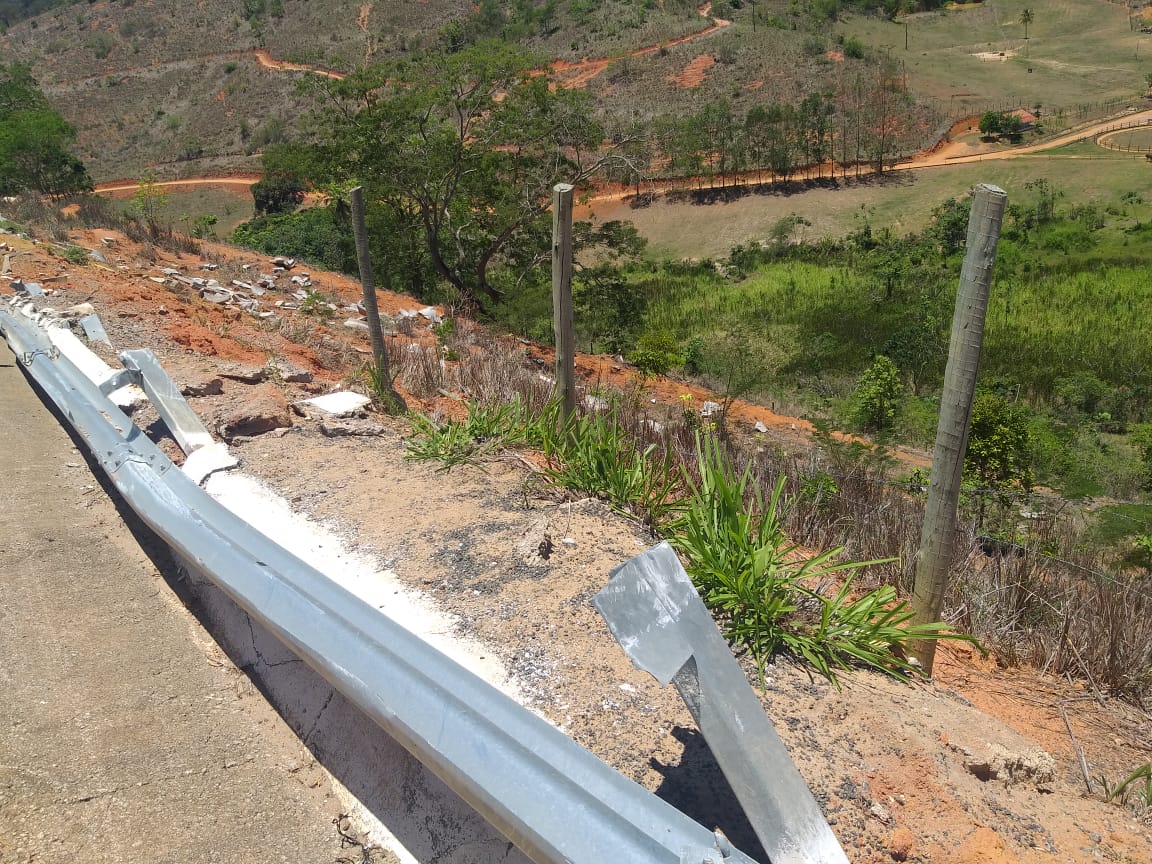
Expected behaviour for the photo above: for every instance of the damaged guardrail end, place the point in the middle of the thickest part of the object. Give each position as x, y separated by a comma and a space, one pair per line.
654, 612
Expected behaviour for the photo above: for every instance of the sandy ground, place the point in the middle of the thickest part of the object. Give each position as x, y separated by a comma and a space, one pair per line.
975, 767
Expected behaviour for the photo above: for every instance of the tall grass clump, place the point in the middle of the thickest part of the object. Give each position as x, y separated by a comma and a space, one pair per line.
770, 596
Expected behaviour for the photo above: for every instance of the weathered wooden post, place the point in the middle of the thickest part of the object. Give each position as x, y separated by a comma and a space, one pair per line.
562, 298
938, 534
394, 404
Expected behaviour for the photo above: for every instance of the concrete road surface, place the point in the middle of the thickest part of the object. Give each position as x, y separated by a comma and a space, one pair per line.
125, 734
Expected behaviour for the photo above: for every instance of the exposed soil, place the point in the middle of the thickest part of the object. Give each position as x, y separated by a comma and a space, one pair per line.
951, 771
692, 75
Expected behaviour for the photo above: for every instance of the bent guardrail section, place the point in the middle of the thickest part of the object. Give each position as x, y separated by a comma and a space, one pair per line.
552, 798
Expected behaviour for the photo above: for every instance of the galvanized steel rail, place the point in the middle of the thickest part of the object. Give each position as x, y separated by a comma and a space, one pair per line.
552, 798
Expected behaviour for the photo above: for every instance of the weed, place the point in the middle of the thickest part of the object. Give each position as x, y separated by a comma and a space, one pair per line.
380, 386
768, 597
1130, 785
75, 255
594, 455
316, 304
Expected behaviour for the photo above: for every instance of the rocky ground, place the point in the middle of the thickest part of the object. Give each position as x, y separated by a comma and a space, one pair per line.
976, 766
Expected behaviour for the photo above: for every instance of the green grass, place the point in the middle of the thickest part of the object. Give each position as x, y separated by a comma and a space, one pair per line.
901, 201
1079, 52
231, 205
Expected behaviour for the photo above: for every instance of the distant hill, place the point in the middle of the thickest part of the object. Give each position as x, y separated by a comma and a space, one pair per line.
12, 11
179, 89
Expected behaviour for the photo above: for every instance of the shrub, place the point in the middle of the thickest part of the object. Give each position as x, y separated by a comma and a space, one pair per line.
878, 396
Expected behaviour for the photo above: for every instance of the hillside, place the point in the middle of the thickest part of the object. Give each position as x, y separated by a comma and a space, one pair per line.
193, 90
974, 767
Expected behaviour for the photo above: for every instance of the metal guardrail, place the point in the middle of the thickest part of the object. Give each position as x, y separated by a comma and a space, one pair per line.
552, 798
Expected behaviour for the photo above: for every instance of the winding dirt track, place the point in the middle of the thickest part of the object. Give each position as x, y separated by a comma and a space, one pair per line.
938, 159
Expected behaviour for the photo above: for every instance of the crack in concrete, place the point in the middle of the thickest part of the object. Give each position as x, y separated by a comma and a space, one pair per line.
104, 793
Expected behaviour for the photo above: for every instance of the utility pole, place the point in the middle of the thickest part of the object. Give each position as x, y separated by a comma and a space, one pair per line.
382, 382
938, 534
562, 318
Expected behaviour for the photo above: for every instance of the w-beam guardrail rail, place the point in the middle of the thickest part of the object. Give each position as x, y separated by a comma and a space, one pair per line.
552, 798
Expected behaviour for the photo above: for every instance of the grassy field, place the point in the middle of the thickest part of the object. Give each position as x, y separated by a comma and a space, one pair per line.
1078, 52
231, 205
901, 201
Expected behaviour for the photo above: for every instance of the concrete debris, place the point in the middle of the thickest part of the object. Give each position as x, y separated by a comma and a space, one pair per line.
159, 280
595, 403
294, 375
207, 460
349, 427
97, 256
759, 426
263, 410
30, 289
431, 314
204, 265
711, 408
285, 263
338, 404
204, 387
536, 546
244, 374
1033, 766
108, 241
302, 280
356, 324
79, 310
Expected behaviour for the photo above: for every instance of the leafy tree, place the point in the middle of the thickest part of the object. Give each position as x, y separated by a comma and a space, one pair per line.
35, 141
998, 444
656, 353
878, 395
316, 235
148, 200
278, 193
462, 151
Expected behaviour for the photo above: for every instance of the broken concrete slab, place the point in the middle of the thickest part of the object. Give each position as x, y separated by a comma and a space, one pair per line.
759, 426
264, 409
203, 387
338, 404
334, 428
208, 460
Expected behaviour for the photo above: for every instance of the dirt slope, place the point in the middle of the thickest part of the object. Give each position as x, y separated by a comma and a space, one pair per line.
976, 767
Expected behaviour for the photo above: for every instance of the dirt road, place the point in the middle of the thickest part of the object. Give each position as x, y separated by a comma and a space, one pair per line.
125, 735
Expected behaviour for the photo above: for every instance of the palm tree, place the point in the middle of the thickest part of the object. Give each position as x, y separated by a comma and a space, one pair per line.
1026, 18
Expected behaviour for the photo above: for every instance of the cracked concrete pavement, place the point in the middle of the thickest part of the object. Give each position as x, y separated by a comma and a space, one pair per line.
125, 733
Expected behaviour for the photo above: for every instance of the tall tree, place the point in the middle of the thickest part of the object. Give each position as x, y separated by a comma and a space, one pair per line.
1026, 18
462, 150
35, 141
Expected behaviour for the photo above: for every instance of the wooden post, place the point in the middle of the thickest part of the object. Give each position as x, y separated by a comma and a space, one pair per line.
562, 298
938, 534
382, 377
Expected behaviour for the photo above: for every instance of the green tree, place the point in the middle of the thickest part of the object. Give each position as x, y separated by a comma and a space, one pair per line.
463, 151
149, 200
878, 395
1026, 18
282, 188
998, 444
35, 141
